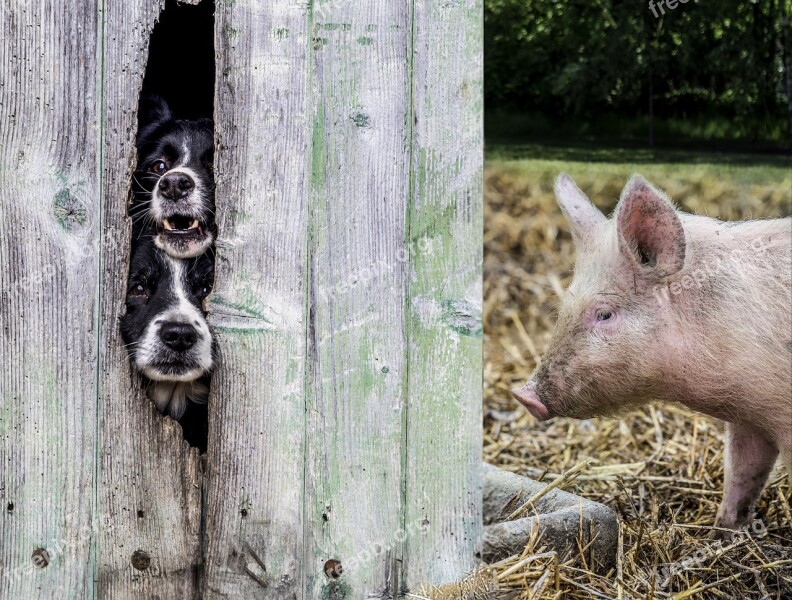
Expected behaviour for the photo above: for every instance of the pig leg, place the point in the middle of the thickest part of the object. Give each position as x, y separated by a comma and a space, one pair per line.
749, 460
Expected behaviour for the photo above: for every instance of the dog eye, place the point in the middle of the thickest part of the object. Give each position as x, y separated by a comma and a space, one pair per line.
139, 292
205, 291
159, 167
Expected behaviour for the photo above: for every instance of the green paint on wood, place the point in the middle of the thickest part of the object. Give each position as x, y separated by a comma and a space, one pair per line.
244, 315
247, 309
335, 26
240, 217
361, 120
368, 378
336, 590
281, 33
365, 41
69, 212
293, 370
318, 152
463, 317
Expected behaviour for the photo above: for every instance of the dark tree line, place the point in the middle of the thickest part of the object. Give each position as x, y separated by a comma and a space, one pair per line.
584, 58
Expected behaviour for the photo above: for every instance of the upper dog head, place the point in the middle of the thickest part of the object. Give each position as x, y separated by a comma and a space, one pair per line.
164, 326
173, 198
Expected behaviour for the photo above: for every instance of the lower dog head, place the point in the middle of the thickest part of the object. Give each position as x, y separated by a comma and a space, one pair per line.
165, 328
173, 187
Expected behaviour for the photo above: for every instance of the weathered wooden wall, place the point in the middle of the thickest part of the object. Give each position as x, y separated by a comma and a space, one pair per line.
345, 418
50, 218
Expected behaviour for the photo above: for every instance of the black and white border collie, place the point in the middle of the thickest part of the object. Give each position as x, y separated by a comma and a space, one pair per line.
173, 190
165, 328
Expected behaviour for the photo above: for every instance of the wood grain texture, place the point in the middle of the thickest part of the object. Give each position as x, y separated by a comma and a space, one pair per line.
149, 480
254, 498
49, 216
359, 260
444, 398
382, 201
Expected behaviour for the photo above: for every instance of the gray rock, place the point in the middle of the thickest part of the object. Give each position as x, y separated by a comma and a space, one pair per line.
561, 518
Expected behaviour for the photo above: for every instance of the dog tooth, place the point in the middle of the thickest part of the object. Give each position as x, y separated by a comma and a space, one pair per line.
166, 224
195, 224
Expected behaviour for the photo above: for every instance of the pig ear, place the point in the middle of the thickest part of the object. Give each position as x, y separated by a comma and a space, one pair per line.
579, 211
651, 235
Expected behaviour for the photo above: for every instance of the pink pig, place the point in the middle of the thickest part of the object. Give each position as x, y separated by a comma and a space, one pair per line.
675, 307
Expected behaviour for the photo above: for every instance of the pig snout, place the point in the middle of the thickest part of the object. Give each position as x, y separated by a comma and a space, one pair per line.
529, 398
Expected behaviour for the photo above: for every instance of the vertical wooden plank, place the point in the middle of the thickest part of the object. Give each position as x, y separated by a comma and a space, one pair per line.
49, 215
444, 396
149, 480
359, 255
344, 415
255, 477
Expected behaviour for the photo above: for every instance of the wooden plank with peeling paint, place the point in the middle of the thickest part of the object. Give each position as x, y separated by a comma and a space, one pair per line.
49, 261
254, 497
335, 176
148, 489
444, 397
359, 261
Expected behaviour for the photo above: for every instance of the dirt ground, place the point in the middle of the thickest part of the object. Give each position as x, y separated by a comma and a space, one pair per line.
661, 467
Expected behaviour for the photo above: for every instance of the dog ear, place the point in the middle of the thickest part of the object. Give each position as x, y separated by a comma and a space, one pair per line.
152, 111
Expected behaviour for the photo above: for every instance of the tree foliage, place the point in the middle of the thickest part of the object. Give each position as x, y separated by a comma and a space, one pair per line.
583, 58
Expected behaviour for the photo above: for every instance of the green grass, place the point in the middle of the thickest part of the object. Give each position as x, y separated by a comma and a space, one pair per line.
657, 164
754, 172
637, 154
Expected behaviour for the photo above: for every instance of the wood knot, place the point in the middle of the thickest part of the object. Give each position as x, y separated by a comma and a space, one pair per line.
41, 557
141, 560
333, 569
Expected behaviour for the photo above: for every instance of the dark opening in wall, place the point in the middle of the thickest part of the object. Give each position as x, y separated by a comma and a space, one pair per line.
172, 211
181, 65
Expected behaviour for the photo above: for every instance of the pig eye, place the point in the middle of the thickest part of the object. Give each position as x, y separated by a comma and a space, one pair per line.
604, 314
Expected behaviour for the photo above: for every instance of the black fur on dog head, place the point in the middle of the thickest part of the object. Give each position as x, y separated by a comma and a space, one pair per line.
173, 187
165, 326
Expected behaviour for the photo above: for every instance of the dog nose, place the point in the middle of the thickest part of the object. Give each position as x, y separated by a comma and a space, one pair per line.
178, 336
176, 186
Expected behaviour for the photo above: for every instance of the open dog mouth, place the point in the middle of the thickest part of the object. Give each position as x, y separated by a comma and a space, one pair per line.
182, 225
183, 236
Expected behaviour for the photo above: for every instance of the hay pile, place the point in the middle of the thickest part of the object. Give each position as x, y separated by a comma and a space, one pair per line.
660, 468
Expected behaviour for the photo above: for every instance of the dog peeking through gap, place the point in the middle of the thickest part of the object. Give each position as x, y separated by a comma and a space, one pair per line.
173, 192
172, 265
